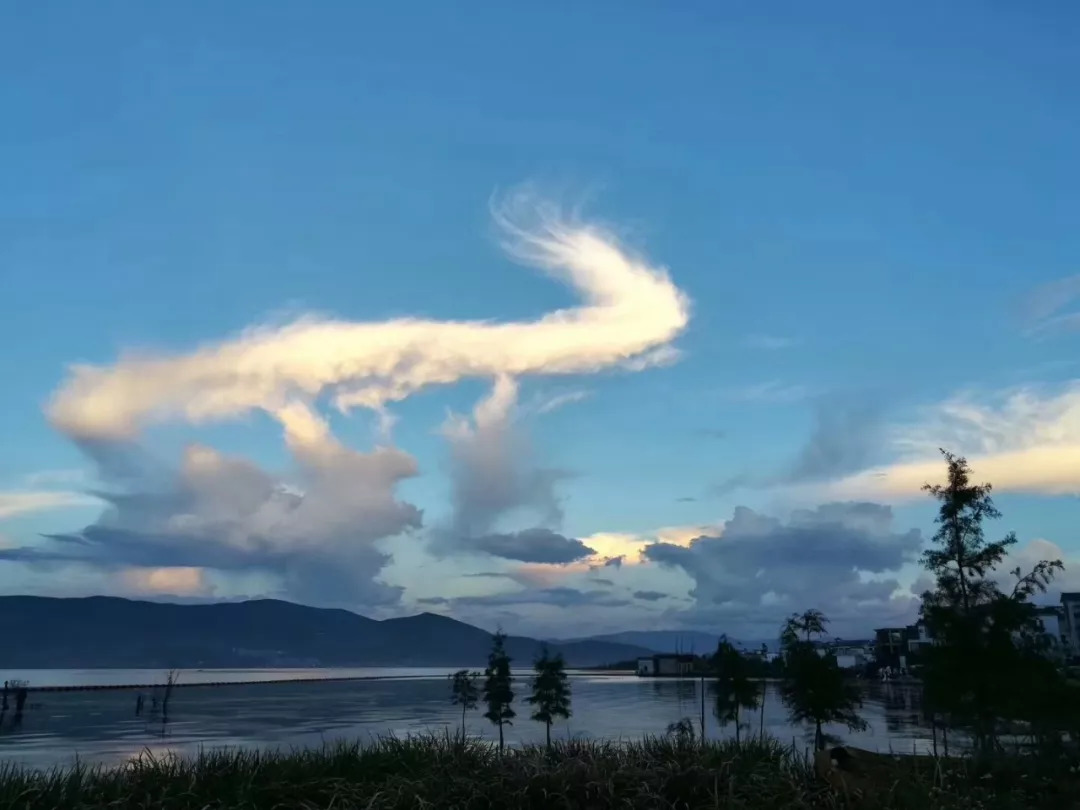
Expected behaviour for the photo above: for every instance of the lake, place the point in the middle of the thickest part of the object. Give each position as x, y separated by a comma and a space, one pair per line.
101, 726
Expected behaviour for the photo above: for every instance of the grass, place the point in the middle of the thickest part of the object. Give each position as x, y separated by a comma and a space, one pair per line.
442, 772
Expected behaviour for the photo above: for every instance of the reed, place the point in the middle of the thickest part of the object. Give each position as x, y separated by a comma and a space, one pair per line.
451, 772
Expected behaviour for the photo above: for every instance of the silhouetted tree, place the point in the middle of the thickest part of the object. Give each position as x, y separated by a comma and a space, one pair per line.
988, 660
734, 688
550, 696
464, 692
498, 686
813, 687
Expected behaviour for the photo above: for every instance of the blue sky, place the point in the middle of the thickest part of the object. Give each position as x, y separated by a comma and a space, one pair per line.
861, 206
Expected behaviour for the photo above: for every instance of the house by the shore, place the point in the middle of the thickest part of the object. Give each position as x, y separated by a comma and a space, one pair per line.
666, 665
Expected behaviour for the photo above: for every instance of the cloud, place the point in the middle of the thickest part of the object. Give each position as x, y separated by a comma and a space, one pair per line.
1042, 309
183, 581
649, 596
227, 514
630, 309
711, 433
846, 435
772, 391
560, 400
492, 471
562, 597
47, 478
769, 342
1022, 440
314, 530
22, 502
532, 545
840, 558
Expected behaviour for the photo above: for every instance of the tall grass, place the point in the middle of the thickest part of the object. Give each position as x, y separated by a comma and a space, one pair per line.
448, 772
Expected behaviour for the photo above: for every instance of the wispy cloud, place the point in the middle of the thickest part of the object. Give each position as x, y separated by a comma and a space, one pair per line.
769, 342
773, 391
1048, 308
52, 478
25, 501
1023, 440
557, 401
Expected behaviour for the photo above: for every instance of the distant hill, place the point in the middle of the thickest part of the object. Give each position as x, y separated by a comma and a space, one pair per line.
100, 631
670, 641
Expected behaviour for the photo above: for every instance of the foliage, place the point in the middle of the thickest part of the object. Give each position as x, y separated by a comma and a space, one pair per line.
550, 696
438, 772
498, 686
464, 692
813, 687
989, 661
734, 689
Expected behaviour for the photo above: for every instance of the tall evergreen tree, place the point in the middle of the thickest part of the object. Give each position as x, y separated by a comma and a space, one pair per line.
734, 689
550, 696
813, 687
986, 661
464, 692
498, 686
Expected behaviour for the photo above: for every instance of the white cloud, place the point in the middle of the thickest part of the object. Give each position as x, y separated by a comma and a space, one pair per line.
313, 532
553, 403
1023, 440
177, 581
630, 309
21, 502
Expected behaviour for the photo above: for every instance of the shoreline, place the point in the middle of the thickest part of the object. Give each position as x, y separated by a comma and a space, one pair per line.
180, 684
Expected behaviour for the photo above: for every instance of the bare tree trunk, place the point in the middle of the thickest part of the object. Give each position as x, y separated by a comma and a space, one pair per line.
548, 729
703, 709
761, 728
736, 724
500, 736
463, 707
819, 738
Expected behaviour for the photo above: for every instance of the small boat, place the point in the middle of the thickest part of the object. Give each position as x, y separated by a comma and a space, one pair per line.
861, 772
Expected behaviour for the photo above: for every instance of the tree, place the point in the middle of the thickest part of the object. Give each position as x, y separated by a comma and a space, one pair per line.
550, 697
464, 692
498, 686
813, 686
986, 662
733, 687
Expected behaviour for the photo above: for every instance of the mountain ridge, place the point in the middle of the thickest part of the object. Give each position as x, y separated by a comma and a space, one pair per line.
41, 632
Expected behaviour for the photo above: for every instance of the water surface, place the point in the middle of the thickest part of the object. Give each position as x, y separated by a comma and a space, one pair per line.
101, 726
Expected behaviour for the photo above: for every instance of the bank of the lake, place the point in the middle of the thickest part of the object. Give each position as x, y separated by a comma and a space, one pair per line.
442, 772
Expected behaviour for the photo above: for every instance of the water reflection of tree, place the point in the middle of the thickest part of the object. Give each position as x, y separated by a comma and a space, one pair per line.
683, 691
902, 708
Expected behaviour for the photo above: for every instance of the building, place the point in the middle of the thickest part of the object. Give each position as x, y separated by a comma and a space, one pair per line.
1070, 622
848, 654
670, 665
899, 647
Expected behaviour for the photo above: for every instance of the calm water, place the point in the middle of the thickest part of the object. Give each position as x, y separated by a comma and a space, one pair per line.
101, 727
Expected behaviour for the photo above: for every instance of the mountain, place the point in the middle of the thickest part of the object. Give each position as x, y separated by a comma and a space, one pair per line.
670, 641
100, 631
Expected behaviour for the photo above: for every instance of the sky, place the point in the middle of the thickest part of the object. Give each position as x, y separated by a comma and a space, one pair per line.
567, 318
